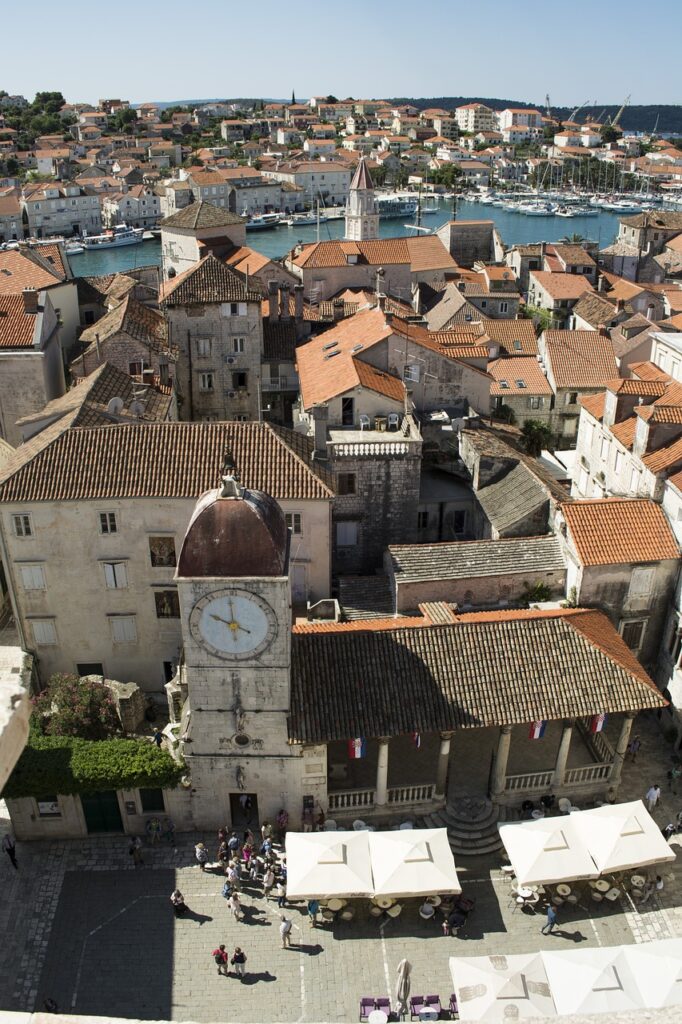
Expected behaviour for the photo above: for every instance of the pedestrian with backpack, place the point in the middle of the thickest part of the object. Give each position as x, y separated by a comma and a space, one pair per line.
238, 961
220, 958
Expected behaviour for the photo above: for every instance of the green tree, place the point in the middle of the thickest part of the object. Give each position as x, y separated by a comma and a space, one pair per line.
123, 119
535, 436
71, 706
331, 99
48, 102
609, 133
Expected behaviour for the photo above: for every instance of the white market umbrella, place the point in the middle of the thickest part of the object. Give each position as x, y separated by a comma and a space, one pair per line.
403, 985
657, 966
323, 864
621, 836
546, 851
599, 980
501, 988
412, 862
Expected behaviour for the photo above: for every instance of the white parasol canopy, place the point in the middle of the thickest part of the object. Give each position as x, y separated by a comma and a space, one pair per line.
501, 988
412, 862
657, 967
598, 980
621, 836
546, 850
322, 864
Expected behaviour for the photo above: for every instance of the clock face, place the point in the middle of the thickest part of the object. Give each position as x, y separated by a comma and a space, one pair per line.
233, 624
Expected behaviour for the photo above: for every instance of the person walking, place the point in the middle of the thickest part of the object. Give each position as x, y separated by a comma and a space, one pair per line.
313, 910
157, 737
633, 747
233, 875
238, 961
235, 906
201, 854
281, 893
233, 844
551, 921
10, 848
268, 881
285, 931
178, 903
220, 958
135, 851
652, 797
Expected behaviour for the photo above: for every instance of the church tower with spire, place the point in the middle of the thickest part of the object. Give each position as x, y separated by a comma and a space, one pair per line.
362, 217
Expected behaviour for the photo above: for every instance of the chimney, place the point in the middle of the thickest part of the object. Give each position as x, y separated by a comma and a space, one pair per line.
620, 305
284, 302
603, 331
382, 302
298, 302
462, 286
272, 301
543, 246
30, 297
601, 284
337, 309
320, 417
147, 375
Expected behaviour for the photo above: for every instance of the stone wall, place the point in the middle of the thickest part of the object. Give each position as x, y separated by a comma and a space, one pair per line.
476, 592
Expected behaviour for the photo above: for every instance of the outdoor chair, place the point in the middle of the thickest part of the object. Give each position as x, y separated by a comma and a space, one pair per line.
393, 421
367, 1004
453, 1006
416, 1006
384, 1003
433, 1003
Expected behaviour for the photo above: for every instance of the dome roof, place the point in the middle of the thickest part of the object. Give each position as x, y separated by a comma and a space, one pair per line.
235, 532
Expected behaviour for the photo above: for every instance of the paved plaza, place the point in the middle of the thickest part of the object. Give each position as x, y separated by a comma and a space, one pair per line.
83, 926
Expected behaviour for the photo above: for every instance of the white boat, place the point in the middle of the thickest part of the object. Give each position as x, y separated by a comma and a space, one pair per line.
396, 206
302, 219
264, 221
73, 248
430, 209
120, 235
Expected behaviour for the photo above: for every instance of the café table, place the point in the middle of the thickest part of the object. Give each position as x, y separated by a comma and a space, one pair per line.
563, 889
602, 885
384, 902
638, 881
377, 1017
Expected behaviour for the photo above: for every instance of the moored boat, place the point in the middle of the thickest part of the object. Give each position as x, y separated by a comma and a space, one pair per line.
121, 234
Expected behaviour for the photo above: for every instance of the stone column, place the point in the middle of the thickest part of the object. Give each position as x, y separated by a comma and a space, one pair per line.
621, 749
562, 755
443, 759
501, 758
381, 788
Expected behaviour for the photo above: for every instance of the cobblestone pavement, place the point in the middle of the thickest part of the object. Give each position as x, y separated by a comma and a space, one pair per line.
85, 927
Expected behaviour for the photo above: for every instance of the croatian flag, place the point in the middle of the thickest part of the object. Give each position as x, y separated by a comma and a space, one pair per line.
598, 722
537, 730
417, 739
357, 747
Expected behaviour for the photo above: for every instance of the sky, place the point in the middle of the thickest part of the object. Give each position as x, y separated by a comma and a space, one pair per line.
176, 49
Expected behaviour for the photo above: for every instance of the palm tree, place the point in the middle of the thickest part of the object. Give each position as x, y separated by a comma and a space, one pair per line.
535, 435
574, 239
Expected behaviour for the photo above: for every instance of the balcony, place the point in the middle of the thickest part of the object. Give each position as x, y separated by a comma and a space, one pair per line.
400, 798
279, 384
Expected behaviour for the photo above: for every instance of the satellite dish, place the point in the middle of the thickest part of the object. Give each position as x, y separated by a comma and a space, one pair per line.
137, 408
115, 406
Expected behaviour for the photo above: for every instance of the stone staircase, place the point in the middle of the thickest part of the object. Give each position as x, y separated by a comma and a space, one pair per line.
472, 824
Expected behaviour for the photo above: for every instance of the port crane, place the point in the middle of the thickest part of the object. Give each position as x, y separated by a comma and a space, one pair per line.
548, 107
614, 123
577, 110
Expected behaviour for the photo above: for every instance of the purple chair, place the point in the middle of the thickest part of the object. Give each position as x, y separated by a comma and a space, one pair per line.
433, 1003
416, 1006
384, 1003
367, 1004
454, 1011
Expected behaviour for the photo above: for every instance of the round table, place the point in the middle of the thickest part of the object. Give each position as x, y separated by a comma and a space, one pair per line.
336, 904
525, 892
563, 889
435, 901
537, 813
612, 894
395, 910
384, 902
377, 1017
638, 881
601, 885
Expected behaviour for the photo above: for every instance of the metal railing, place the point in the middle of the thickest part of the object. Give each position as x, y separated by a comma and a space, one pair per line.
279, 384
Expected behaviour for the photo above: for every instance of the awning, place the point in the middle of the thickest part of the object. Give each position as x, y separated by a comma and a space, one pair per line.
322, 864
501, 988
547, 850
621, 836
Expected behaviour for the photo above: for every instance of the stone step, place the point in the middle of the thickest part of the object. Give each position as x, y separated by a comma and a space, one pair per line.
475, 833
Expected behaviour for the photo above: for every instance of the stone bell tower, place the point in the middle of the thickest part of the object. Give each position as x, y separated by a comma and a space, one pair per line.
234, 683
362, 216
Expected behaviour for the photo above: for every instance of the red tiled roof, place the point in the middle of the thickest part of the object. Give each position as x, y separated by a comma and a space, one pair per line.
580, 359
16, 326
612, 531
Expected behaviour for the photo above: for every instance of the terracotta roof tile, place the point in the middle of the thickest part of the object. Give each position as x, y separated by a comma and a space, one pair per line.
515, 369
625, 431
20, 269
648, 371
580, 359
516, 337
664, 458
132, 318
201, 215
391, 681
562, 286
16, 326
146, 460
209, 280
594, 404
612, 531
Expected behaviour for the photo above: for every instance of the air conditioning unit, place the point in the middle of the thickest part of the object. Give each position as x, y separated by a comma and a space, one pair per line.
229, 360
231, 394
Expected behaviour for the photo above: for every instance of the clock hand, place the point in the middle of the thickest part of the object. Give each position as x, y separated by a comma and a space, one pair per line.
225, 622
242, 628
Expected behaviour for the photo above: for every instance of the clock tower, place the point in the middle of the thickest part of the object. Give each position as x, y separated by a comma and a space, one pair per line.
233, 686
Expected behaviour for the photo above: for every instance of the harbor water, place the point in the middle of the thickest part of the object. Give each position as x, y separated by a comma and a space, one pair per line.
514, 229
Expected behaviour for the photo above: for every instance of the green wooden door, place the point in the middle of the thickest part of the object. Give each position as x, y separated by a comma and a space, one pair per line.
102, 812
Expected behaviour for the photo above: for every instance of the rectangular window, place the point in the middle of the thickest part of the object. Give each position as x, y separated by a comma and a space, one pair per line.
571, 398
204, 348
346, 535
293, 521
206, 382
347, 412
44, 631
422, 520
535, 402
32, 577
241, 417
48, 806
152, 800
162, 552
90, 668
115, 575
411, 373
135, 369
604, 449
632, 633
107, 522
617, 459
504, 306
167, 604
634, 480
22, 525
346, 483
240, 380
641, 582
123, 629
238, 344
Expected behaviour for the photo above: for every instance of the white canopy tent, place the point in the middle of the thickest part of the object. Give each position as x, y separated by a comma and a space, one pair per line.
413, 862
658, 969
547, 850
322, 864
621, 836
501, 988
594, 981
